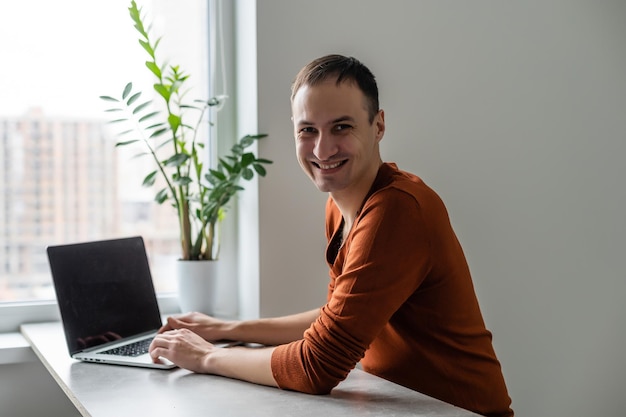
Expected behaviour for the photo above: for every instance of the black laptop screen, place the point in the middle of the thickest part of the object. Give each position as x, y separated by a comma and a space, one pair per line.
104, 290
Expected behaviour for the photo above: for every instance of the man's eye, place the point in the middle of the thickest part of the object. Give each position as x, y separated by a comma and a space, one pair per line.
307, 130
342, 127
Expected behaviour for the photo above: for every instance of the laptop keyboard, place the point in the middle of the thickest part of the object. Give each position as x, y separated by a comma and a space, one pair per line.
133, 349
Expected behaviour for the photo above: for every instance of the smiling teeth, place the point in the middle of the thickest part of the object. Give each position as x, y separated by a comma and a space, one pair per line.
330, 166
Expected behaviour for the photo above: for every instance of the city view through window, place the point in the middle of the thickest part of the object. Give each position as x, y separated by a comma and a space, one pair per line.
62, 180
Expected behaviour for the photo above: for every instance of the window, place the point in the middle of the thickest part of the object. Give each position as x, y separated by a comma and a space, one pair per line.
61, 178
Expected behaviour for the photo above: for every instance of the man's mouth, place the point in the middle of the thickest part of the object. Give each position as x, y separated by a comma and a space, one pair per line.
326, 166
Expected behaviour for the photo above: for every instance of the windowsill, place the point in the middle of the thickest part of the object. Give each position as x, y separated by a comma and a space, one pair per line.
15, 349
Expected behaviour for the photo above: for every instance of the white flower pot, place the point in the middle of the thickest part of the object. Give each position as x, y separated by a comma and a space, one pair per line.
196, 286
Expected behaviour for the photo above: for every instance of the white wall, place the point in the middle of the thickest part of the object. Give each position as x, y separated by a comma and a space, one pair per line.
515, 112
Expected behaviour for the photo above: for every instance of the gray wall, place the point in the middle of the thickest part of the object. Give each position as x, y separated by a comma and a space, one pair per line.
515, 113
28, 390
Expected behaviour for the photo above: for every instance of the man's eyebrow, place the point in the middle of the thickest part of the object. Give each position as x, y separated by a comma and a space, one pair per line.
343, 119
332, 122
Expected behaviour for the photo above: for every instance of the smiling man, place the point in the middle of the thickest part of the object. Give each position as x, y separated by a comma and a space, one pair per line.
400, 299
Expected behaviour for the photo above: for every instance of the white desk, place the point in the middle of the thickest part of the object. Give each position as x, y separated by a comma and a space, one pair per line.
107, 390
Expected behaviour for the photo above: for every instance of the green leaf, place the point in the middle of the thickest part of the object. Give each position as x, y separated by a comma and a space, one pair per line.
127, 90
223, 163
183, 181
259, 136
148, 116
108, 98
174, 122
187, 106
128, 142
147, 47
220, 176
158, 132
247, 159
176, 160
141, 106
264, 161
161, 196
259, 169
154, 68
199, 166
112, 110
246, 141
150, 178
163, 91
133, 98
154, 125
247, 174
181, 143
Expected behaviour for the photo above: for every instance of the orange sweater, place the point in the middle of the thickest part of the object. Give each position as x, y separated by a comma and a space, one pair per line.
400, 301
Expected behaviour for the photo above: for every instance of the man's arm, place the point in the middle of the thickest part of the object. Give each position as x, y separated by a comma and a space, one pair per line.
183, 340
190, 351
274, 331
270, 331
248, 364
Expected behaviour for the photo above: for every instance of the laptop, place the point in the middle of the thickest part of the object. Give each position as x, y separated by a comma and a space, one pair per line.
107, 301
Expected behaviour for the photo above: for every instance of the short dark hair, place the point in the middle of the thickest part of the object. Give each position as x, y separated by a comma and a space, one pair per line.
344, 69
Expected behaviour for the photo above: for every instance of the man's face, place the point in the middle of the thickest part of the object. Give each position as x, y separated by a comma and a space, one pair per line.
336, 145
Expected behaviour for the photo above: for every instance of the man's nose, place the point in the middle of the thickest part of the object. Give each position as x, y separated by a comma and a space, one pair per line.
325, 147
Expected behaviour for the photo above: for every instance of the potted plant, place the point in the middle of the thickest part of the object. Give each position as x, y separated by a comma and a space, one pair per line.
199, 194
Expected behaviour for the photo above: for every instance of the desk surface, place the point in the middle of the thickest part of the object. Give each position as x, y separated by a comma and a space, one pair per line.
109, 390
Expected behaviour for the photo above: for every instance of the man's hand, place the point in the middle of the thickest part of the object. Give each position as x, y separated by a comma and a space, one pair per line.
184, 348
207, 327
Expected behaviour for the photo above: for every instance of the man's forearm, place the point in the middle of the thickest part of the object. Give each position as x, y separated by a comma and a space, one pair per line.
247, 364
273, 331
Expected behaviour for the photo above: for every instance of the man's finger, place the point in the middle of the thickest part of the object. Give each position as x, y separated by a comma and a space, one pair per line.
173, 323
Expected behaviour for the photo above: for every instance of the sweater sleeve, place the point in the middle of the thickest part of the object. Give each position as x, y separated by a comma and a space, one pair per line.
383, 261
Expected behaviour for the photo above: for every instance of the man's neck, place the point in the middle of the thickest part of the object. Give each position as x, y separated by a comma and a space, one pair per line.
350, 201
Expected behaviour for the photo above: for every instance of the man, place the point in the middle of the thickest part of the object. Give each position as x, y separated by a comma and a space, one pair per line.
400, 300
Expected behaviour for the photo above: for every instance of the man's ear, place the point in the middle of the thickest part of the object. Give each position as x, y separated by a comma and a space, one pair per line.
379, 122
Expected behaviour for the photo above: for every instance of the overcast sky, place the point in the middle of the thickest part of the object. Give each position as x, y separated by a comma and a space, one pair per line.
62, 55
